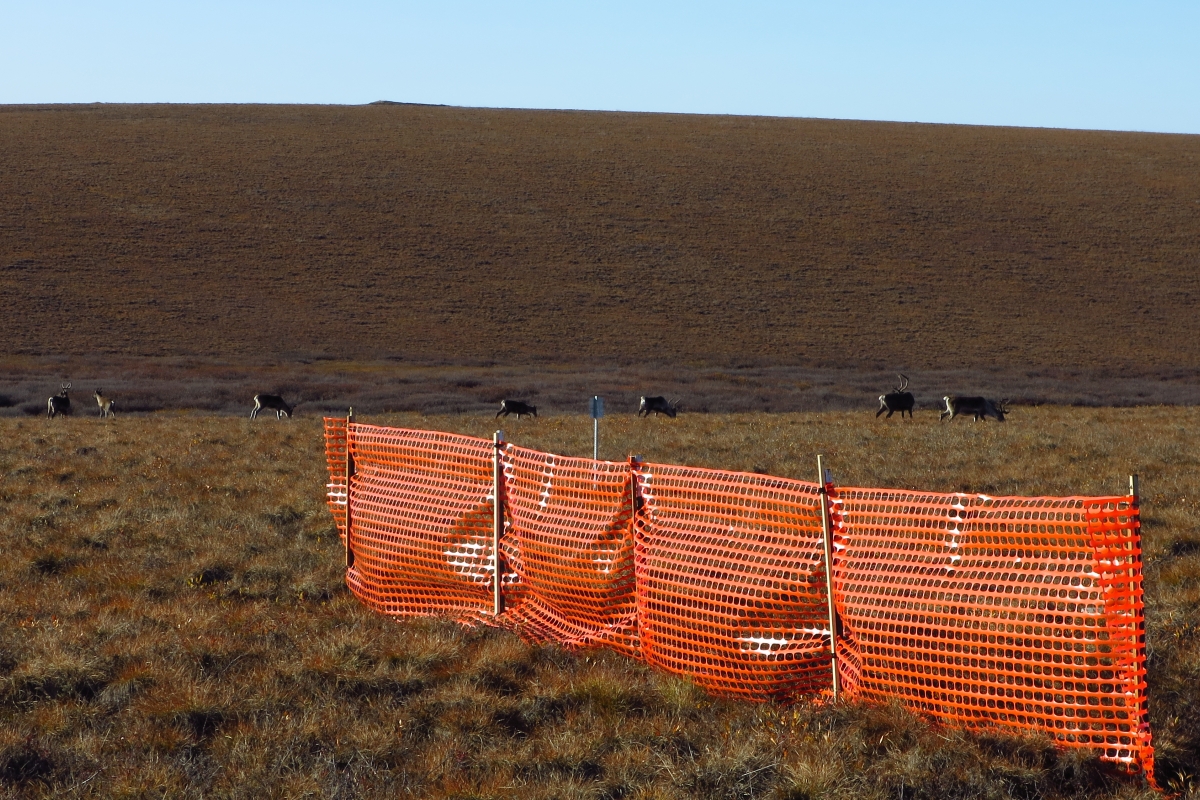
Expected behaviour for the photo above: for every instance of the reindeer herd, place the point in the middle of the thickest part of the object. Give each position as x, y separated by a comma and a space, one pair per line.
60, 404
899, 399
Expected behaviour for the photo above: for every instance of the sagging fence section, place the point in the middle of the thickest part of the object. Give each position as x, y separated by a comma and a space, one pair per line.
1022, 613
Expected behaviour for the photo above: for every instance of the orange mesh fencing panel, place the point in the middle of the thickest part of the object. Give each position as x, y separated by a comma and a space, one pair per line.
1025, 613
571, 545
1020, 612
420, 535
730, 581
335, 460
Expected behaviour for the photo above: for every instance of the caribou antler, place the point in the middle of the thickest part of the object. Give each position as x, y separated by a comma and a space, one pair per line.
903, 383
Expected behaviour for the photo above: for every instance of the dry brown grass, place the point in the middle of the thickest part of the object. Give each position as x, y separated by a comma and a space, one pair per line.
173, 623
404, 258
505, 236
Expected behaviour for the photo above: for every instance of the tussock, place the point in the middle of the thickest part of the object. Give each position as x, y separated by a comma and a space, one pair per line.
173, 622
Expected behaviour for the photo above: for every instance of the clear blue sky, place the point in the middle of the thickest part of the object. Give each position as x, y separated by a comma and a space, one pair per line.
1122, 66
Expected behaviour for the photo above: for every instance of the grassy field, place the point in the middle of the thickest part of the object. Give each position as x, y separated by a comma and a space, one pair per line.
174, 617
174, 624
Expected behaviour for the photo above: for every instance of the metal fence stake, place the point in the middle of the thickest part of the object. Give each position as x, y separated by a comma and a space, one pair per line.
827, 546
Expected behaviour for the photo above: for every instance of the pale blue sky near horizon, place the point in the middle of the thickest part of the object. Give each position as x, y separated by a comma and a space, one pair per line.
1100, 65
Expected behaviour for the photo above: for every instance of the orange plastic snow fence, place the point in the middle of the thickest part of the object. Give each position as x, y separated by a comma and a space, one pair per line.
1023, 613
570, 544
419, 539
730, 585
335, 460
1020, 612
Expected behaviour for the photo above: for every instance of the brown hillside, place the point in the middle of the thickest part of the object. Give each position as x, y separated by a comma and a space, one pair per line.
510, 237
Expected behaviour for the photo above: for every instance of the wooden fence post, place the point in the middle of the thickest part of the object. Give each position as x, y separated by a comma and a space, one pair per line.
827, 546
497, 519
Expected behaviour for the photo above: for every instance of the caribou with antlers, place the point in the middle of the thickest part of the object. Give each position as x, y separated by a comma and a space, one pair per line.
897, 400
59, 403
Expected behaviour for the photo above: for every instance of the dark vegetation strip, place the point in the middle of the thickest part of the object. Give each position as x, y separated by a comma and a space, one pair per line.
330, 387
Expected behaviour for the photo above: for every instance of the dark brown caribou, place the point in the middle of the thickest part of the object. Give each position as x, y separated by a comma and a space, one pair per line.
516, 407
59, 403
897, 400
978, 407
658, 405
272, 402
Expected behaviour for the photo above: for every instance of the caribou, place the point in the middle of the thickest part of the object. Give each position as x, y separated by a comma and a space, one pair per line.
516, 407
658, 405
897, 400
978, 407
271, 402
59, 403
106, 405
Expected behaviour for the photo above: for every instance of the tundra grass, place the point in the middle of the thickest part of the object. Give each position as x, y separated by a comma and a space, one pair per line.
250, 233
174, 623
